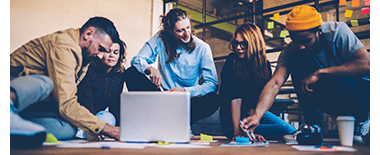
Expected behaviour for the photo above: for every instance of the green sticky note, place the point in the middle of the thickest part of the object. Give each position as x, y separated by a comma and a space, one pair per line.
348, 13
205, 137
270, 25
276, 16
283, 34
163, 143
354, 23
51, 139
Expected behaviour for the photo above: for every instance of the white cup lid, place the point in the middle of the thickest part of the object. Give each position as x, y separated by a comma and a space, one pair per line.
345, 118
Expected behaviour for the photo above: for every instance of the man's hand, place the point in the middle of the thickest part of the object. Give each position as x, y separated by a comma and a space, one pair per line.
250, 123
308, 83
155, 76
259, 138
177, 89
111, 131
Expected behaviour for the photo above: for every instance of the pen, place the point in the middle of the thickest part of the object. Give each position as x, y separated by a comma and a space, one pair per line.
245, 130
253, 135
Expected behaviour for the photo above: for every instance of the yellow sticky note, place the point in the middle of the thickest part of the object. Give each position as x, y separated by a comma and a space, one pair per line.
51, 139
163, 143
276, 16
205, 137
354, 23
348, 13
355, 3
342, 2
270, 25
283, 34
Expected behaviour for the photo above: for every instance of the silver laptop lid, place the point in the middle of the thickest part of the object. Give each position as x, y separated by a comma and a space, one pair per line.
155, 116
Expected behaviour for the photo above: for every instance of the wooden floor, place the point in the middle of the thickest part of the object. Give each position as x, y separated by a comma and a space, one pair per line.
275, 148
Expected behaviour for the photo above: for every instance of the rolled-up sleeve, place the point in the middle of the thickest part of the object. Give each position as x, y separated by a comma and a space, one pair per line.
147, 55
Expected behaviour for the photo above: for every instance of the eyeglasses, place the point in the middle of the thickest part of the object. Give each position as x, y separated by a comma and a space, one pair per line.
243, 44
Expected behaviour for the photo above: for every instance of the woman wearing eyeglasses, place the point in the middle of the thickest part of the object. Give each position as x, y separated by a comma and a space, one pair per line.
244, 74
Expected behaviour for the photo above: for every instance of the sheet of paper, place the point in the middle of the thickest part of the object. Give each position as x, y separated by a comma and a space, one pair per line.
199, 142
342, 2
313, 148
255, 144
181, 146
108, 145
348, 13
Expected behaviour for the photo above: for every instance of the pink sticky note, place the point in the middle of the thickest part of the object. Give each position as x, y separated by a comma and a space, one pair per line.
365, 10
366, 2
348, 13
355, 3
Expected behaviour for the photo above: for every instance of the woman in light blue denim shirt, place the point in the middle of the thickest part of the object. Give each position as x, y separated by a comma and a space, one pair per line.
183, 60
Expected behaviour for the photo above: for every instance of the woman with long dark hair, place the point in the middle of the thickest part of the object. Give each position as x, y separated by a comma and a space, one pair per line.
244, 74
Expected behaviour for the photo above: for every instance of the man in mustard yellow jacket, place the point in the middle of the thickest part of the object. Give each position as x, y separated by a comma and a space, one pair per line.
63, 57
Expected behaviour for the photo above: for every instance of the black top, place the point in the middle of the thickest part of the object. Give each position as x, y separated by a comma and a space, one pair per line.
232, 88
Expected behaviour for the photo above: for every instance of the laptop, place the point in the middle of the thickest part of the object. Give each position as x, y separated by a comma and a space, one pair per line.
155, 116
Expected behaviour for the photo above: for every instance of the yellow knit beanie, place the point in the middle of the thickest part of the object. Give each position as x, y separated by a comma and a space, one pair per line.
303, 18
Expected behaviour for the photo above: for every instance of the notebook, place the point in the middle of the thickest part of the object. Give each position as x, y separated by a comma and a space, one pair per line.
155, 116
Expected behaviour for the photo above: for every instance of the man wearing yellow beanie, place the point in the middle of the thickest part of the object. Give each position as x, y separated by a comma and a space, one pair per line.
329, 67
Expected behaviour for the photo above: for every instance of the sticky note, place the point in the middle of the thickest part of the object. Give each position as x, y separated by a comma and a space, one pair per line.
365, 10
348, 13
242, 139
342, 2
270, 25
354, 23
366, 2
51, 139
283, 34
355, 3
205, 137
276, 16
163, 143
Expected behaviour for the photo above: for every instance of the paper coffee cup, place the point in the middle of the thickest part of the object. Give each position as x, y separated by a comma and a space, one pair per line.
346, 129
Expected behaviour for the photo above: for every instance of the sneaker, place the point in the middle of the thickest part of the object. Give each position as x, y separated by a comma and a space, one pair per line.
362, 128
24, 133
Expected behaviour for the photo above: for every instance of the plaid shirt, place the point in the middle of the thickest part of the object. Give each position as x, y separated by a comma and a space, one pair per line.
99, 90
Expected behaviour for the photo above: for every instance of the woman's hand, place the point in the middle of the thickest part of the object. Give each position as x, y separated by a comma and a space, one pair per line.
155, 76
259, 138
177, 89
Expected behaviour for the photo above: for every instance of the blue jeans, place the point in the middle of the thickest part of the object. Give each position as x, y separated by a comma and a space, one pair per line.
271, 126
33, 89
334, 96
102, 115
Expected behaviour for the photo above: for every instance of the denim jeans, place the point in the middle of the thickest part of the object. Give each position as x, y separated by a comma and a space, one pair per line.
334, 96
33, 89
271, 126
102, 115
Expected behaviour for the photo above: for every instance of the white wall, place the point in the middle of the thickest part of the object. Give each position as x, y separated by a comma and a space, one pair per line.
30, 19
